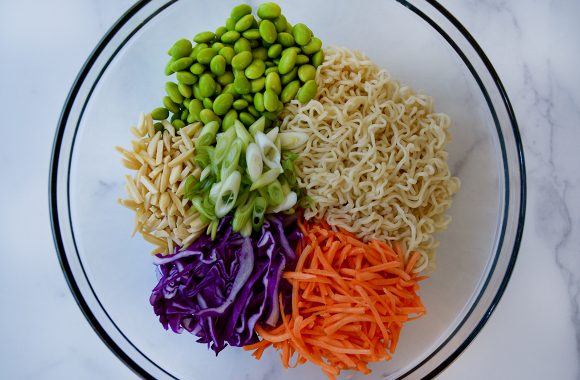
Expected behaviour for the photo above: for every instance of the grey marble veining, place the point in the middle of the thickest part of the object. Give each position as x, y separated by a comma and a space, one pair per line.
538, 54
533, 334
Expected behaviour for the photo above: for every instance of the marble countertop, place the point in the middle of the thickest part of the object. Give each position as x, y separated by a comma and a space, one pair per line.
533, 334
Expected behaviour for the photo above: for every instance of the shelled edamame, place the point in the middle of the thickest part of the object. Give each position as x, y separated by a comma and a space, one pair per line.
251, 66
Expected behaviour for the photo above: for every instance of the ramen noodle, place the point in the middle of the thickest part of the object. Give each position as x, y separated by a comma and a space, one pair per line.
375, 162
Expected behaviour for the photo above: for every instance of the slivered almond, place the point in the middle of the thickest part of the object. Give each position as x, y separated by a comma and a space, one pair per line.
179, 159
175, 174
162, 161
148, 184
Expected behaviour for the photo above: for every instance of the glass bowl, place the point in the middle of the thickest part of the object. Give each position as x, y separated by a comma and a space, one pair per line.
421, 45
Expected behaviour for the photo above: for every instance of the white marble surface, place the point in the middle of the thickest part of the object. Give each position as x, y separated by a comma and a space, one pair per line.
534, 332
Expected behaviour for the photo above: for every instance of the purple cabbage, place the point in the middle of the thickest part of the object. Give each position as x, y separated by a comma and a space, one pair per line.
219, 289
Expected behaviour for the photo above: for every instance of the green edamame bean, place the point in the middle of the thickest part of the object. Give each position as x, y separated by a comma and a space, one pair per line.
270, 100
255, 43
273, 82
186, 77
280, 106
173, 92
302, 59
230, 89
298, 51
269, 64
197, 48
204, 37
318, 58
273, 69
207, 115
269, 11
274, 51
306, 73
170, 104
222, 104
287, 61
168, 70
186, 102
268, 31
185, 89
230, 37
196, 92
237, 73
218, 89
170, 50
175, 116
242, 60
229, 119
181, 48
230, 25
280, 23
217, 46
228, 53
251, 34
158, 127
302, 34
259, 101
181, 64
226, 78
205, 55
246, 118
290, 91
178, 124
184, 115
253, 111
248, 98
208, 103
289, 77
256, 69
218, 65
258, 84
240, 11
313, 46
285, 39
289, 27
197, 68
195, 107
244, 23
240, 104
260, 53
307, 92
159, 113
242, 44
220, 31
206, 85
242, 85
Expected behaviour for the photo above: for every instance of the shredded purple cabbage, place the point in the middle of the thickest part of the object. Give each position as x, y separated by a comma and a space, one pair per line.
218, 290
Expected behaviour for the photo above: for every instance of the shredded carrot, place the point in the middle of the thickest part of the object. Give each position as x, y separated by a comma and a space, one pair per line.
298, 276
412, 261
380, 267
271, 336
349, 302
